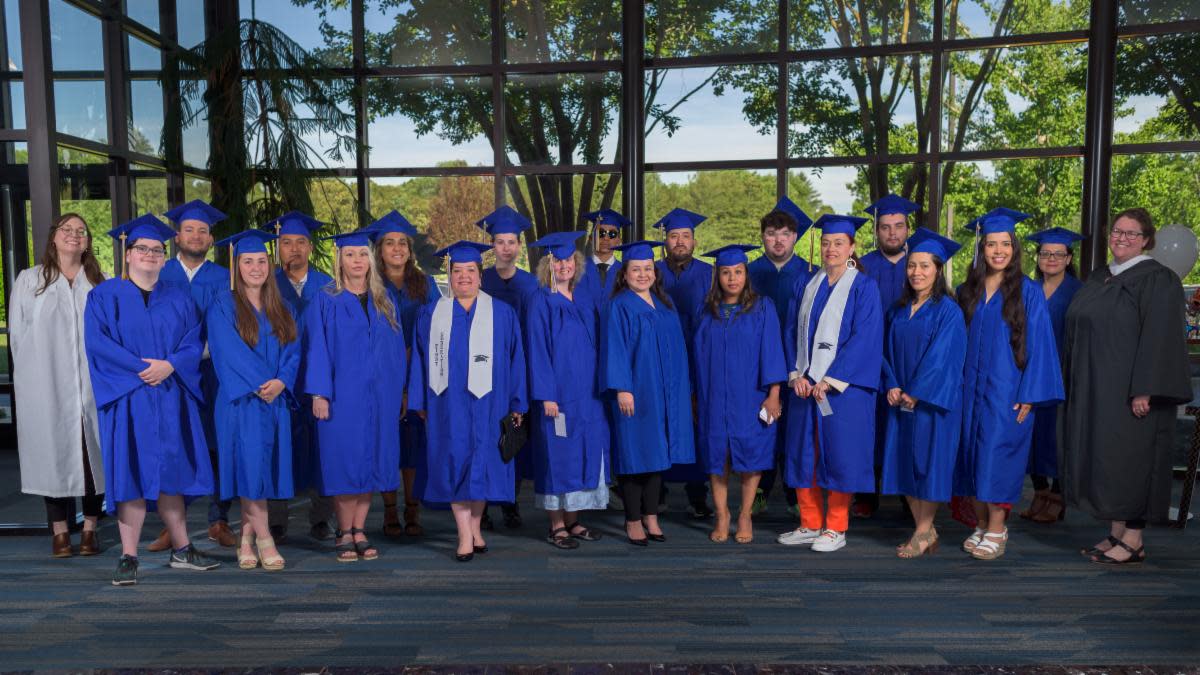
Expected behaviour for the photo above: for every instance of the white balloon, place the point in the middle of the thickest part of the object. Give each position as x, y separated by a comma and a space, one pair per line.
1176, 247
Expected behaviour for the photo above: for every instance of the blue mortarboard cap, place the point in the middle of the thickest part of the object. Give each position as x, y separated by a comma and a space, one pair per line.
679, 218
924, 240
997, 220
356, 238
732, 254
197, 209
638, 250
146, 226
803, 221
1055, 235
560, 244
832, 223
392, 222
249, 241
294, 222
607, 217
504, 220
464, 251
891, 204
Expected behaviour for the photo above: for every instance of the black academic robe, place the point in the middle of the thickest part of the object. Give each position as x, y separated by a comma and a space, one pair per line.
1125, 337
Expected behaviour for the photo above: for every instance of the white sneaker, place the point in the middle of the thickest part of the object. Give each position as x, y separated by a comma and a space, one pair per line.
829, 541
798, 537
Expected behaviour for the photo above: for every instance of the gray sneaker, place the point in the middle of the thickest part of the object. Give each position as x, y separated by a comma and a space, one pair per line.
191, 559
126, 571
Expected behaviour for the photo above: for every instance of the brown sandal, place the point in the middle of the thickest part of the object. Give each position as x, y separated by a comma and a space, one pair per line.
412, 526
391, 520
1040, 500
1054, 511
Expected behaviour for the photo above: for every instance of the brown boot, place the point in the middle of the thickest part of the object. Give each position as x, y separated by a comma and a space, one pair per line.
163, 543
391, 520
88, 543
220, 533
412, 525
61, 546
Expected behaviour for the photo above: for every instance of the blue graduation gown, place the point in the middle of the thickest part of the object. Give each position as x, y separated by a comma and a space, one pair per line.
462, 457
923, 355
355, 359
778, 284
889, 276
1043, 453
152, 438
687, 291
516, 292
412, 427
562, 361
643, 352
736, 359
845, 462
254, 438
305, 464
995, 449
591, 289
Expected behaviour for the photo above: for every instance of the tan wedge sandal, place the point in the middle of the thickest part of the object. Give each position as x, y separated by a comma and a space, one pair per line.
273, 563
247, 562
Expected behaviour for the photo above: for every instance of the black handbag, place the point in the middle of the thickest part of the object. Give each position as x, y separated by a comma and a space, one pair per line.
512, 438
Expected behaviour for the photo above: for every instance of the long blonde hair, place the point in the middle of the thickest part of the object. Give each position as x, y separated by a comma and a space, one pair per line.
380, 296
545, 271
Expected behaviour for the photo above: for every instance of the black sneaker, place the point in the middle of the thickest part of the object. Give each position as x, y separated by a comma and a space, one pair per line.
512, 516
191, 559
126, 571
321, 532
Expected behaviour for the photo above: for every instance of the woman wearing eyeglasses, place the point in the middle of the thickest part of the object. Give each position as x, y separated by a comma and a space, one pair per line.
1056, 271
57, 428
1126, 370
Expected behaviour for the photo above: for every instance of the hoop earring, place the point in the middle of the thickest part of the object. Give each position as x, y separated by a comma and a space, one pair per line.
850, 264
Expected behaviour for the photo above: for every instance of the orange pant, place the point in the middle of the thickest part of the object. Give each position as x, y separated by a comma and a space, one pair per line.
836, 517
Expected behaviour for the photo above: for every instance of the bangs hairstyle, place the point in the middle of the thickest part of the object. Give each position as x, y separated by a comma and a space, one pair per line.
414, 284
283, 326
778, 220
545, 270
747, 298
1142, 218
375, 285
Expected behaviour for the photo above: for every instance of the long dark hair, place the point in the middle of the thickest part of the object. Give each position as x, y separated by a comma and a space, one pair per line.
283, 326
415, 284
940, 289
1070, 271
656, 288
712, 301
50, 269
1013, 310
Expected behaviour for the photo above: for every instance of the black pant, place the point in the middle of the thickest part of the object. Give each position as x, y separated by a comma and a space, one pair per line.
1139, 524
59, 509
640, 491
1042, 482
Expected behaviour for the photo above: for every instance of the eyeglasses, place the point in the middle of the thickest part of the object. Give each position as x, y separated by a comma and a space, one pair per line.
1053, 255
611, 234
80, 233
150, 251
1129, 235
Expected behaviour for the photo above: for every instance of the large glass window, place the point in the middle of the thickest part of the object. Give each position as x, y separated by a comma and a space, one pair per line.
695, 114
1158, 86
540, 31
404, 33
711, 27
837, 24
430, 121
562, 119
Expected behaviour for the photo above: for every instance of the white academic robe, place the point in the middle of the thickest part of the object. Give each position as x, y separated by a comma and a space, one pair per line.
52, 387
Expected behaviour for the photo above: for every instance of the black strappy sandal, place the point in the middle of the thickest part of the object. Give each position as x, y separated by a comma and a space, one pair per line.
565, 543
363, 548
1093, 551
342, 549
1136, 556
586, 534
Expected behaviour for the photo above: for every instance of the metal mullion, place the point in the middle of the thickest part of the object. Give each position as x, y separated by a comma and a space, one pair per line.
362, 156
1153, 29
116, 64
559, 169
1008, 41
781, 107
406, 172
43, 174
498, 131
1097, 163
1155, 147
633, 52
107, 12
13, 135
933, 185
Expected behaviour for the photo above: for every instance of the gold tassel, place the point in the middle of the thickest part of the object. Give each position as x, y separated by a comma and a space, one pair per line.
124, 262
278, 229
232, 266
337, 272
811, 243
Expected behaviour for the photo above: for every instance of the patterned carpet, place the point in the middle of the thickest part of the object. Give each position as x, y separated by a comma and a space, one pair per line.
686, 601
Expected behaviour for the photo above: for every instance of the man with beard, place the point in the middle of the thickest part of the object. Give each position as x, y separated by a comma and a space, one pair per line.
686, 280
191, 271
299, 282
887, 265
777, 275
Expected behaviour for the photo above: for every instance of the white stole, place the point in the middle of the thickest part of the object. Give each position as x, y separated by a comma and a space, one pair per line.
479, 370
829, 327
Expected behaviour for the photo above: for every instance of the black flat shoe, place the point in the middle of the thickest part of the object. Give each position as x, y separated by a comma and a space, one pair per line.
1092, 552
464, 557
1136, 556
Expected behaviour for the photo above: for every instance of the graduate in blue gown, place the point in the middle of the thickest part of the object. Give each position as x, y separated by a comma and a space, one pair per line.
834, 371
354, 371
644, 371
886, 265
467, 375
775, 275
204, 281
395, 245
570, 432
142, 339
925, 342
738, 362
602, 267
299, 282
1056, 273
256, 351
686, 281
1003, 379
514, 286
